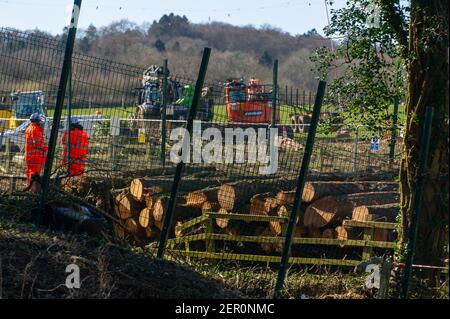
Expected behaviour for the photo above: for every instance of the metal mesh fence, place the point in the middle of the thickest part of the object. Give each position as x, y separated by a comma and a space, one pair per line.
241, 162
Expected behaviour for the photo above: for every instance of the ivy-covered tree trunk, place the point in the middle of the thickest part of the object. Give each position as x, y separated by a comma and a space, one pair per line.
427, 70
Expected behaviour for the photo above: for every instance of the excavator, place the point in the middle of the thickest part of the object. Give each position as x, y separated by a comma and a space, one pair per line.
251, 103
149, 98
21, 106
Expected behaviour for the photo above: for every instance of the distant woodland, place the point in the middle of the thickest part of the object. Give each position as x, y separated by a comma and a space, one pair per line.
236, 51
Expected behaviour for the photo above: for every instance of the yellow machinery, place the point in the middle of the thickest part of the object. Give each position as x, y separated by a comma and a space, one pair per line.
19, 106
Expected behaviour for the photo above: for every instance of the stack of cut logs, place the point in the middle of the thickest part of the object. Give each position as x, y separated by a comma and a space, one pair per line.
325, 204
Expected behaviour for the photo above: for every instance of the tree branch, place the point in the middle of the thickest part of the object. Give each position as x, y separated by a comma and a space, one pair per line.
394, 18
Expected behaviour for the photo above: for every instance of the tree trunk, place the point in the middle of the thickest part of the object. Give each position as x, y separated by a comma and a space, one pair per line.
315, 190
380, 213
333, 209
232, 196
427, 70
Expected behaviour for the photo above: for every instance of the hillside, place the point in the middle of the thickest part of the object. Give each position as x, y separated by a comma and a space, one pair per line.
237, 51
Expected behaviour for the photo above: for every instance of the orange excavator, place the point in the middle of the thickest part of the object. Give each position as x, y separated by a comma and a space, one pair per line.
250, 103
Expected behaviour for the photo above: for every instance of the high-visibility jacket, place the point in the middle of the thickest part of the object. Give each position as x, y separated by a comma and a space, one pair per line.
35, 149
79, 144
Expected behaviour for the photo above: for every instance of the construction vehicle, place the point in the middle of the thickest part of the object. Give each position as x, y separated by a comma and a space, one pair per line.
149, 99
22, 105
252, 103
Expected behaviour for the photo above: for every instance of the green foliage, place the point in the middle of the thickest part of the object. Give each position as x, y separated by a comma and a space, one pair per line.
364, 70
266, 59
160, 46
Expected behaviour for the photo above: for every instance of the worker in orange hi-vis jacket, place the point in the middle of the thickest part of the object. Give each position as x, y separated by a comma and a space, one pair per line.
78, 145
35, 148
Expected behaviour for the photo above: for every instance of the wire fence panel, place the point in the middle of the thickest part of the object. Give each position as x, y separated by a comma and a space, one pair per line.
241, 161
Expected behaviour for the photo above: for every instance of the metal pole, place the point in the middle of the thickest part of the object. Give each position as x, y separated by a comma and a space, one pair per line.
163, 115
60, 101
180, 165
69, 119
299, 190
355, 150
291, 95
393, 133
286, 95
411, 246
274, 92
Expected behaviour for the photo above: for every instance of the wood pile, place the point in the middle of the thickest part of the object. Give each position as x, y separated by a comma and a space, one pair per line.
325, 204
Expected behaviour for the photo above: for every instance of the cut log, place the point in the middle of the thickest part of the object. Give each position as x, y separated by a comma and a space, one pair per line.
343, 233
263, 204
315, 190
190, 183
152, 232
222, 222
120, 232
332, 210
159, 208
126, 206
132, 225
385, 213
258, 204
235, 195
276, 228
210, 207
284, 210
159, 224
146, 218
149, 200
195, 199
329, 233
140, 187
285, 197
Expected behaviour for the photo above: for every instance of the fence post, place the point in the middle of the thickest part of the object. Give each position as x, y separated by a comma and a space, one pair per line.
355, 151
7, 154
286, 95
179, 169
412, 236
69, 118
274, 92
291, 95
299, 190
60, 101
163, 115
296, 98
393, 133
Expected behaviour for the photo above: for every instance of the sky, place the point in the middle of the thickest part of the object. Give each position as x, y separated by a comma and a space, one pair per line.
293, 16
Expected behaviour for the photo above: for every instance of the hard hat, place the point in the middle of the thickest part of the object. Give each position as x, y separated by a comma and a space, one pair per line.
35, 117
74, 120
